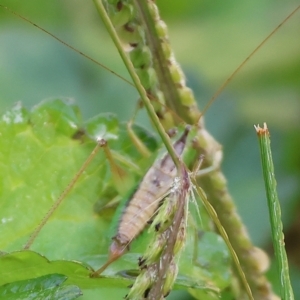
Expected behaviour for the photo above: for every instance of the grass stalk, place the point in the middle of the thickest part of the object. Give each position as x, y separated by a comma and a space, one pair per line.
151, 112
274, 212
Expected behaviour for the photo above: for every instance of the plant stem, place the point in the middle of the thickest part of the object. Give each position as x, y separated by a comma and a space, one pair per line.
151, 112
274, 212
214, 183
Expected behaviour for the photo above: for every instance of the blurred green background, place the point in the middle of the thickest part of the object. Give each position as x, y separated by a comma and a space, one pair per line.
210, 40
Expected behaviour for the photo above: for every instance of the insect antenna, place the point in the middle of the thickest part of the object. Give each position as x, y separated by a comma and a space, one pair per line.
66, 44
57, 203
230, 78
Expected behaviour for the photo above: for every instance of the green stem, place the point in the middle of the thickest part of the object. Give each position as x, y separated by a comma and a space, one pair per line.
214, 216
274, 212
151, 112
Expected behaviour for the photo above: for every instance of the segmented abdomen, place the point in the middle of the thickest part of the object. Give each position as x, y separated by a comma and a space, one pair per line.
152, 189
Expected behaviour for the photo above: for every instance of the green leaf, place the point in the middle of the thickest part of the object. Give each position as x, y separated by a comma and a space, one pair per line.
26, 264
45, 287
39, 157
212, 267
40, 152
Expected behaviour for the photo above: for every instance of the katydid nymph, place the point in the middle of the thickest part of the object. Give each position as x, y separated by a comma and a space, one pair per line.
154, 187
197, 142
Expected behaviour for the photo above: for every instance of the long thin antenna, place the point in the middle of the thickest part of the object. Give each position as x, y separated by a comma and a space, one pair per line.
67, 45
229, 79
216, 94
63, 195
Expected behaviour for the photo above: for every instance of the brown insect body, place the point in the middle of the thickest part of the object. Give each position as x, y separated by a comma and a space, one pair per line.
145, 201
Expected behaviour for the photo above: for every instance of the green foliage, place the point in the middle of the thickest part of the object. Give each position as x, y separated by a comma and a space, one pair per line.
44, 287
41, 150
219, 36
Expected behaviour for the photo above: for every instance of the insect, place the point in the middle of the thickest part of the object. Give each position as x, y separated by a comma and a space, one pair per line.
144, 203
